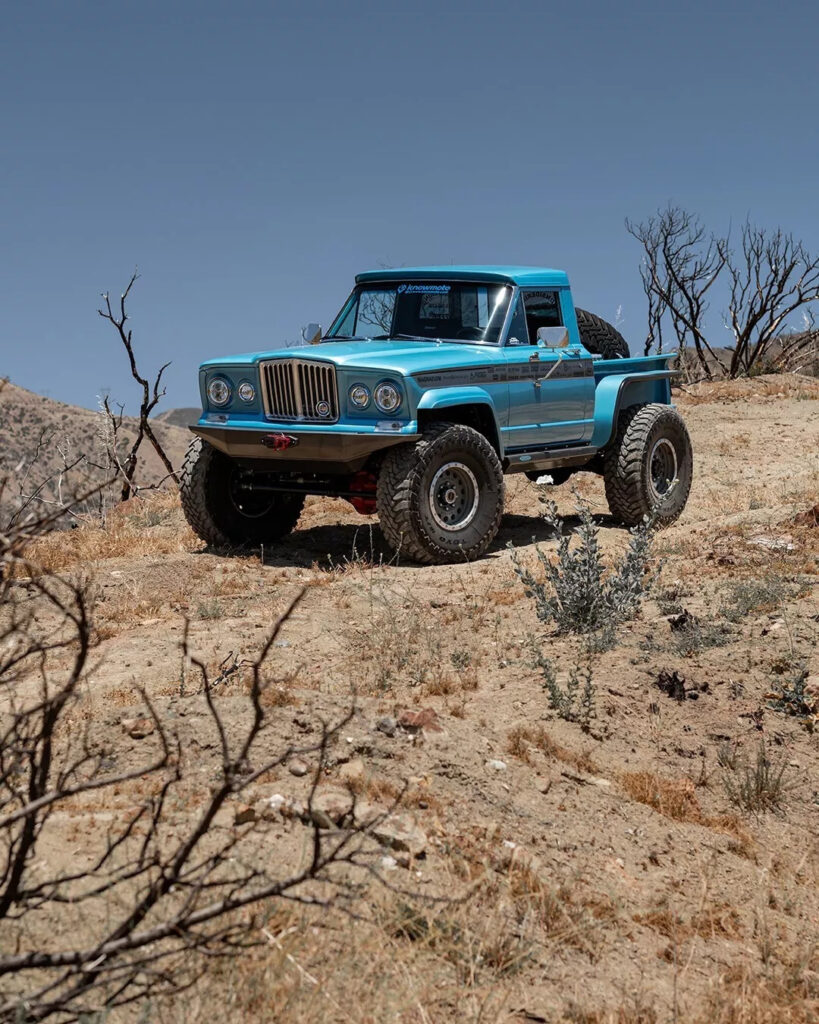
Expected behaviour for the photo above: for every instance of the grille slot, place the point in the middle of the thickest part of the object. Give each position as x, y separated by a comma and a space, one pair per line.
293, 388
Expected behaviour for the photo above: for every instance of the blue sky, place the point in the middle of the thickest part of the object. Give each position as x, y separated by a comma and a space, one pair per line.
250, 158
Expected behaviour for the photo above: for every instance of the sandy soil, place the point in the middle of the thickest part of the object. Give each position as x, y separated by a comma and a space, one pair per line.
666, 900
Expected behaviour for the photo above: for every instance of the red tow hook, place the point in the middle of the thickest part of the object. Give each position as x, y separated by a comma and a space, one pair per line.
366, 484
279, 442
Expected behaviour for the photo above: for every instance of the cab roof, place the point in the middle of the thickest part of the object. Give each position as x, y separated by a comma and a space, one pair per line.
524, 276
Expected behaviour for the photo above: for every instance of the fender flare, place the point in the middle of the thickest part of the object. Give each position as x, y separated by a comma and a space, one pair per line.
617, 391
448, 398
444, 398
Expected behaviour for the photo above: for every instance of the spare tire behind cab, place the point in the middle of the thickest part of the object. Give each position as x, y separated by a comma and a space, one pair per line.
600, 337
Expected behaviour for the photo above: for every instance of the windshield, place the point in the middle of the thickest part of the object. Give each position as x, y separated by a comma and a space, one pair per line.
424, 311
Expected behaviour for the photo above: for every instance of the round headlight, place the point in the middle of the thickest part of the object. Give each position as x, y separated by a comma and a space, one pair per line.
360, 396
219, 391
387, 397
246, 391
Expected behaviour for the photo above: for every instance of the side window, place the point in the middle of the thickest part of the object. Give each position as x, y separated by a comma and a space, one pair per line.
375, 313
344, 324
542, 310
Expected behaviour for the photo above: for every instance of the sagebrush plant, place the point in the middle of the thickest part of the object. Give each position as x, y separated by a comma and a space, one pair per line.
576, 701
693, 636
743, 597
579, 593
793, 697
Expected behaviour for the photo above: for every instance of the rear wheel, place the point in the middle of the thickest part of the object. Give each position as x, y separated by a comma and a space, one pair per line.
221, 511
441, 498
649, 467
600, 337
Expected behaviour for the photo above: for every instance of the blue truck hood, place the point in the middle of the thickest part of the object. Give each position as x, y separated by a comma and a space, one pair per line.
404, 357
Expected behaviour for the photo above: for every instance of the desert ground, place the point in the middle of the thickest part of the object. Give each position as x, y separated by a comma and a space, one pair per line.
656, 859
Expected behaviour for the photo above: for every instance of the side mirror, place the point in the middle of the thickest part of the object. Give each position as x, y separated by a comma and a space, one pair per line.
553, 337
311, 334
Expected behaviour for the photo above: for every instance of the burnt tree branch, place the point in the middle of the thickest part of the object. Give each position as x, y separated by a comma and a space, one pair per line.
151, 394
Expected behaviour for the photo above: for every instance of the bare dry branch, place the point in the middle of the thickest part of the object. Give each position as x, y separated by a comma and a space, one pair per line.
148, 905
680, 265
151, 395
772, 278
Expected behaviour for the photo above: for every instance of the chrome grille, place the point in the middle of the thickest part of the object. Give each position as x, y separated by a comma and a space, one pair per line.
293, 389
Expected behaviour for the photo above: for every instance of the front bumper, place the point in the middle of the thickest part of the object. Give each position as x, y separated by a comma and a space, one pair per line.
323, 451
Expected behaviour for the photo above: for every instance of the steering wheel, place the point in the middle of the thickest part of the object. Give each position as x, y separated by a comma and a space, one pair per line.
470, 334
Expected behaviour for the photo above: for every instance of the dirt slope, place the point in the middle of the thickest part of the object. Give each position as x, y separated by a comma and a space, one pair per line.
641, 889
58, 433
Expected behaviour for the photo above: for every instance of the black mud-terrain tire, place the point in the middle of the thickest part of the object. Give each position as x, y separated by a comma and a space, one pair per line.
600, 337
450, 475
651, 443
220, 514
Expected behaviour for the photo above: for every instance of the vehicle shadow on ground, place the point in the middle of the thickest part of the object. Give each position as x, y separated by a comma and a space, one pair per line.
521, 530
334, 548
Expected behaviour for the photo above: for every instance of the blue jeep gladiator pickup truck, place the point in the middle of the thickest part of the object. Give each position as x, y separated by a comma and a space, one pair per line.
429, 386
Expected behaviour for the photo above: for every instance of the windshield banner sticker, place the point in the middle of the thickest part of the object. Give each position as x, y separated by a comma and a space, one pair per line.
423, 289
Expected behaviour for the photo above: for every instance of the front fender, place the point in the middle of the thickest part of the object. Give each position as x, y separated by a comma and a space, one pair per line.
445, 398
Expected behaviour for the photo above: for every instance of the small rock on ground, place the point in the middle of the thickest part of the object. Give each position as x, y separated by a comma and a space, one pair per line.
398, 832
138, 728
425, 720
298, 767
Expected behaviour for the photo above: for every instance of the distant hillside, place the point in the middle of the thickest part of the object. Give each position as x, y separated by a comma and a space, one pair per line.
179, 417
30, 422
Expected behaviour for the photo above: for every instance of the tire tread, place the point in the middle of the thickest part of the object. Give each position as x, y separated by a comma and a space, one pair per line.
623, 467
600, 337
398, 480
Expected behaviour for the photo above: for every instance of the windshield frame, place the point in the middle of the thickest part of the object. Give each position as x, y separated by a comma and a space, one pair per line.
390, 284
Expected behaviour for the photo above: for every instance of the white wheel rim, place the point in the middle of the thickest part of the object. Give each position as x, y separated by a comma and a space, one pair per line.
453, 496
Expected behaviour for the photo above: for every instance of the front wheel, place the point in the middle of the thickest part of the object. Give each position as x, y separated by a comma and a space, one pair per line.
648, 469
441, 499
221, 511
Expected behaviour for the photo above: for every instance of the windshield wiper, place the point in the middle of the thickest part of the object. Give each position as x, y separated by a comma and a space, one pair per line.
411, 337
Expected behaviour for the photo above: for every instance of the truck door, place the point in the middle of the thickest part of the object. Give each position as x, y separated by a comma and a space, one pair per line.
551, 390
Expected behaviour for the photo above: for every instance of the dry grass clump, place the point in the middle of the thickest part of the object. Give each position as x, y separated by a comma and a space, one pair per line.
620, 1015
448, 684
401, 644
563, 914
676, 799
759, 786
673, 798
523, 739
375, 787
712, 920
785, 993
410, 961
141, 526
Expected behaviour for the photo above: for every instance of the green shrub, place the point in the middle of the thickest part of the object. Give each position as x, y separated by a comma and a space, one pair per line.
746, 596
579, 594
792, 697
576, 701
